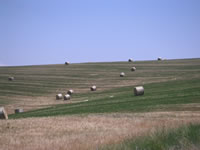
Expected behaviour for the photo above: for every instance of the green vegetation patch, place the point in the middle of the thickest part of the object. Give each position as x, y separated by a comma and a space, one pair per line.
186, 137
158, 96
43, 80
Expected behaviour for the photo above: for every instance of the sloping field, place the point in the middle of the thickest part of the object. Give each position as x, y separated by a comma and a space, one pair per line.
92, 120
36, 86
167, 96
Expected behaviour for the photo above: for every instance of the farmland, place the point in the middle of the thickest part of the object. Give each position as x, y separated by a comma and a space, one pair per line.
171, 99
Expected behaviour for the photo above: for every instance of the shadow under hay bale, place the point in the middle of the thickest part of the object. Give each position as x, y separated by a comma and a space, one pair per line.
59, 96
93, 88
70, 92
130, 60
133, 69
122, 74
19, 110
67, 97
11, 78
66, 63
139, 90
159, 58
3, 113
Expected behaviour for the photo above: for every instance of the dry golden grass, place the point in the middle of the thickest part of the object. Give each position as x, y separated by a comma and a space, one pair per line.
85, 132
30, 103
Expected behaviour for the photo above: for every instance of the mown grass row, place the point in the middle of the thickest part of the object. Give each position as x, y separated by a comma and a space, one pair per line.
184, 138
42, 80
158, 96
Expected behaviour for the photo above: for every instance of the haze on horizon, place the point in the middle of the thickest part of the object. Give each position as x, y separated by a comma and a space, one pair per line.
54, 31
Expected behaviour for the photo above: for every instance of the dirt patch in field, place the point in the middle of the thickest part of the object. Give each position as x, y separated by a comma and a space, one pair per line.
31, 103
86, 132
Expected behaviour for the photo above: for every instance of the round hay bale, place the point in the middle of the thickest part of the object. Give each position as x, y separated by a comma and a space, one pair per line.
19, 110
59, 96
70, 92
67, 97
159, 58
3, 113
130, 60
66, 63
93, 88
122, 74
139, 90
11, 78
133, 68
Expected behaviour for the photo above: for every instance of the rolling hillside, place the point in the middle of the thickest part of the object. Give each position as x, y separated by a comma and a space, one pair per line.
109, 118
36, 86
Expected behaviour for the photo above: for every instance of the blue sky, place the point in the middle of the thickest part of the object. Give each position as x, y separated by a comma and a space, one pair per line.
55, 31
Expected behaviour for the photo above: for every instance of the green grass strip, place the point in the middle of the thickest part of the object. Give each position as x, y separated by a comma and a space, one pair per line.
183, 138
157, 96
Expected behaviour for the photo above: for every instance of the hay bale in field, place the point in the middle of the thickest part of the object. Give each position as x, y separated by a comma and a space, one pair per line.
130, 60
3, 113
19, 110
59, 96
70, 92
11, 78
67, 97
122, 74
93, 88
139, 90
159, 58
66, 63
133, 68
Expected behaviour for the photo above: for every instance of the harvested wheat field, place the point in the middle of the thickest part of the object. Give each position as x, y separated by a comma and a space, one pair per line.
86, 132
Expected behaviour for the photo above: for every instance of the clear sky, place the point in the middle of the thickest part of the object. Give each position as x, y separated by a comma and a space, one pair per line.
55, 31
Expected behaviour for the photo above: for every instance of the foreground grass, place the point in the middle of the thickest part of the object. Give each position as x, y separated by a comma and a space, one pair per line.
158, 96
184, 138
86, 132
